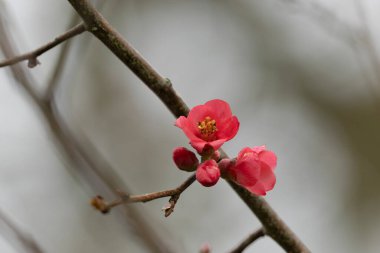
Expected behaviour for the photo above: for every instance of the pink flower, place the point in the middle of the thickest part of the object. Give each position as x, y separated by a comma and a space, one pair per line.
211, 124
254, 169
185, 159
208, 173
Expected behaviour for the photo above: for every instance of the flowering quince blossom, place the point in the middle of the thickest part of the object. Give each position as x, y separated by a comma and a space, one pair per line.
208, 173
209, 125
253, 169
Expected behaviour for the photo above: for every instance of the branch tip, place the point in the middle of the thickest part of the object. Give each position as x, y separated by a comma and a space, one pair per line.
99, 204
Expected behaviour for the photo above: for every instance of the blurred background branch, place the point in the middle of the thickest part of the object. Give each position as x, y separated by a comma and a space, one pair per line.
31, 57
83, 159
249, 240
21, 240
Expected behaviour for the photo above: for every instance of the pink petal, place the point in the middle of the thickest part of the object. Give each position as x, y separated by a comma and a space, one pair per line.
199, 113
181, 121
247, 151
198, 144
267, 177
220, 108
229, 128
189, 130
269, 158
257, 189
259, 149
217, 143
247, 172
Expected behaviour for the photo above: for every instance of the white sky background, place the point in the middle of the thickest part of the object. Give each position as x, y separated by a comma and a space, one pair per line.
259, 57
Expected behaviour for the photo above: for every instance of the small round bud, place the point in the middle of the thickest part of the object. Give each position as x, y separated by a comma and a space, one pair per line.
208, 173
185, 159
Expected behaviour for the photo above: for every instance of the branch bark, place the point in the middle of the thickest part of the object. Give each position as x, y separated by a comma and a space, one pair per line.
249, 240
32, 56
162, 87
99, 203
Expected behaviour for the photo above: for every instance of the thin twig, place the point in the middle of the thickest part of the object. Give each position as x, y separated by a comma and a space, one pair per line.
32, 56
82, 154
60, 64
249, 240
97, 25
23, 79
99, 203
26, 241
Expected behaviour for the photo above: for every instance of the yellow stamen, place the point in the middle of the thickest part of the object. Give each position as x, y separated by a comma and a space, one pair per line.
207, 127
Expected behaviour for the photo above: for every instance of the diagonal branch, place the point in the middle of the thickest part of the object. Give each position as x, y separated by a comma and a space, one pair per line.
26, 241
249, 240
162, 87
32, 56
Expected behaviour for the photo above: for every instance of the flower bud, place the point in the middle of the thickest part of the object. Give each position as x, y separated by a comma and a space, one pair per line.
208, 173
185, 159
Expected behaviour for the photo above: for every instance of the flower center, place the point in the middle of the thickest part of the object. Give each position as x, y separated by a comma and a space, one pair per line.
207, 127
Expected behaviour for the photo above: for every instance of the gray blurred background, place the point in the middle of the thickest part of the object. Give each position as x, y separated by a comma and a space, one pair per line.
303, 77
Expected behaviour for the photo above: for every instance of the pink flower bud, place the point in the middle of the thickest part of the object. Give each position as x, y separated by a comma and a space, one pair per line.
185, 159
208, 173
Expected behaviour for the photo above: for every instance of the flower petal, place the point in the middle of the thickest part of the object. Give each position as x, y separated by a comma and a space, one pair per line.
198, 145
247, 151
199, 113
247, 172
220, 108
269, 158
257, 189
183, 123
259, 149
217, 143
267, 177
229, 128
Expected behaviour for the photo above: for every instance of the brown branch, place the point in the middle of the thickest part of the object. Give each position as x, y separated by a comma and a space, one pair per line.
249, 240
161, 86
99, 203
32, 56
